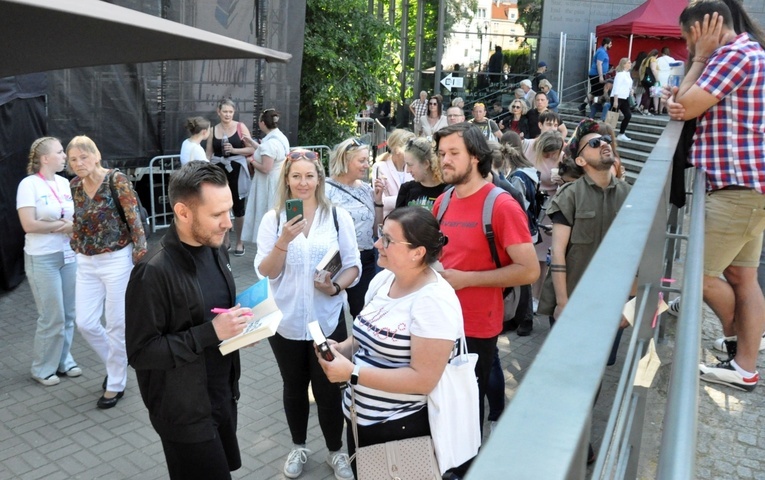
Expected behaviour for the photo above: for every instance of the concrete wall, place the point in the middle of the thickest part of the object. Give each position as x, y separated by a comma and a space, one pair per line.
579, 18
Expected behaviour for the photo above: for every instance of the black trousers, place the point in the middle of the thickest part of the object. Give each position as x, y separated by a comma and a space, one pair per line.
210, 460
624, 107
298, 366
357, 293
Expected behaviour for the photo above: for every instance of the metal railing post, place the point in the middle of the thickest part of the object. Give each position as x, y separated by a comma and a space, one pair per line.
678, 452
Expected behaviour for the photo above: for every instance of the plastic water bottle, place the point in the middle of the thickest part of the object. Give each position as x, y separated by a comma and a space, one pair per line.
223, 142
677, 71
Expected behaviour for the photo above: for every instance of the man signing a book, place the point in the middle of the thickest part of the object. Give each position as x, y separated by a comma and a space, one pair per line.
172, 335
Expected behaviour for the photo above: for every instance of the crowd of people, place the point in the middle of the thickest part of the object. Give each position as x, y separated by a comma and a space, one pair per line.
416, 272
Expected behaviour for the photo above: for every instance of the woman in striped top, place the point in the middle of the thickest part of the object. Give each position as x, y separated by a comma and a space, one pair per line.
403, 337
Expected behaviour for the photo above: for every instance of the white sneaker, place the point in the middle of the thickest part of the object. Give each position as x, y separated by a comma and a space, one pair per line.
48, 381
720, 343
293, 467
725, 374
492, 426
674, 307
75, 371
341, 465
623, 138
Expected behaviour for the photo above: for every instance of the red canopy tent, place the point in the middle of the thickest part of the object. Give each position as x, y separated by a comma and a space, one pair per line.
654, 24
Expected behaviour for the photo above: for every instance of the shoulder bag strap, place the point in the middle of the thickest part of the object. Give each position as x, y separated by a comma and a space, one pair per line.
338, 186
116, 197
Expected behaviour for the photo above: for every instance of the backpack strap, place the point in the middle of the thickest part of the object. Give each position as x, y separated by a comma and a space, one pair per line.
488, 230
444, 204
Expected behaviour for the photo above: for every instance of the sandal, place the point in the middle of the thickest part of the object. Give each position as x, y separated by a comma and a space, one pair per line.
239, 253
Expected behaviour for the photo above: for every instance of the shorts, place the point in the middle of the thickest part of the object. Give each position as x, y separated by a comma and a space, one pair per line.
734, 222
596, 88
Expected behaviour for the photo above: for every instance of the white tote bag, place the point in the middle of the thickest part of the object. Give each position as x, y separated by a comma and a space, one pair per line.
453, 411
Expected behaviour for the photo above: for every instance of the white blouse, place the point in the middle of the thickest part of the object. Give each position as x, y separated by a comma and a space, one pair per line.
293, 289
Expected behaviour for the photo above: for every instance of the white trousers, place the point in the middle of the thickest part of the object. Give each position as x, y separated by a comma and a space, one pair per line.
101, 283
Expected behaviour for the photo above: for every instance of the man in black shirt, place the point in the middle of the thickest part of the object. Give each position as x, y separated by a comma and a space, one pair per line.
172, 336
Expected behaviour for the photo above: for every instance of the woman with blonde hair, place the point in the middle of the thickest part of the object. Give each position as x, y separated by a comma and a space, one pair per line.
227, 149
428, 183
348, 188
288, 252
391, 169
548, 152
620, 94
109, 239
517, 121
45, 208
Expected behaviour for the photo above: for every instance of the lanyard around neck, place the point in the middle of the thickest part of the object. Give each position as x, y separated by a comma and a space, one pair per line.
53, 192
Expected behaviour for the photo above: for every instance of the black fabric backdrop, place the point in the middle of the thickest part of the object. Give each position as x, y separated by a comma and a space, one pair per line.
23, 121
135, 112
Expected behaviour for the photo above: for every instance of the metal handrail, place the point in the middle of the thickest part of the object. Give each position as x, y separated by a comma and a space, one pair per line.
678, 453
547, 425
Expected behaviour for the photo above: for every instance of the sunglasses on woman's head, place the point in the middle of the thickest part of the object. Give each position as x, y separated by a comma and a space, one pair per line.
411, 144
268, 110
356, 143
298, 154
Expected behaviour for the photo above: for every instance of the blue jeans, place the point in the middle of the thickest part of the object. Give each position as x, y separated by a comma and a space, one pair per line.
602, 108
495, 391
52, 283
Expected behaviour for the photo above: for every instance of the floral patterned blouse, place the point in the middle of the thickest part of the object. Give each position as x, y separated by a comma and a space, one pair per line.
98, 227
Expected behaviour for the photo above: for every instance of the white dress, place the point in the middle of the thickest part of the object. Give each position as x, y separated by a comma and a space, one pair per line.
264, 185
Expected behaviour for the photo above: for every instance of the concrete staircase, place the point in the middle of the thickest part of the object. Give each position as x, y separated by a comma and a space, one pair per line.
643, 130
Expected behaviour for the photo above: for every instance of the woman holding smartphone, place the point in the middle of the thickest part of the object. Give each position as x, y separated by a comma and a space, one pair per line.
348, 188
288, 252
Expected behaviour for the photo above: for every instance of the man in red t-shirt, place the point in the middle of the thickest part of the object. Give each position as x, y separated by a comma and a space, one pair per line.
465, 159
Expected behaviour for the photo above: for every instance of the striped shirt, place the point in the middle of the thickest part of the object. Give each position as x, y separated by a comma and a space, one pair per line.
730, 136
383, 332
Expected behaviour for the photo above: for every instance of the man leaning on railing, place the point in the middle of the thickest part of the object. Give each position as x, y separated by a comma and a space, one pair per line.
725, 88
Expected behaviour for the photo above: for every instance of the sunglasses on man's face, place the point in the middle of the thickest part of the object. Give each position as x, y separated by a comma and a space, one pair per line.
594, 142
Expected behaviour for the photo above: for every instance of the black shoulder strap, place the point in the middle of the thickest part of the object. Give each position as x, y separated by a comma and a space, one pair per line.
116, 196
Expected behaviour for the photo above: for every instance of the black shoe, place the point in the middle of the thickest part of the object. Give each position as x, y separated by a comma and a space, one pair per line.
509, 326
525, 329
590, 455
103, 385
104, 403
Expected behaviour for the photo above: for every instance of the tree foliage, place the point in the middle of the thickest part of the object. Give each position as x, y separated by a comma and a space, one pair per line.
530, 15
349, 56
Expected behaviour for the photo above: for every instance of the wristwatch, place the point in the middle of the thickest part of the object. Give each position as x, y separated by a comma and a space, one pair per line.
355, 375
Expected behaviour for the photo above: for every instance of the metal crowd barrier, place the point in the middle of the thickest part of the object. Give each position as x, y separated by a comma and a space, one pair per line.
373, 133
546, 428
160, 168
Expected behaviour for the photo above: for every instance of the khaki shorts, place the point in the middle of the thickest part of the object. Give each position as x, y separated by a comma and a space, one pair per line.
734, 222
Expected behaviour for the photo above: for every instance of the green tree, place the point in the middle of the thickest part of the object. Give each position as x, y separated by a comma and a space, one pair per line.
530, 15
349, 56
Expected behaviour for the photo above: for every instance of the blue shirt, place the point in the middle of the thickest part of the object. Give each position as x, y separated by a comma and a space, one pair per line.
602, 55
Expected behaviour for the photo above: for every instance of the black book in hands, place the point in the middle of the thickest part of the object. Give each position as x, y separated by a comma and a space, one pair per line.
266, 317
330, 265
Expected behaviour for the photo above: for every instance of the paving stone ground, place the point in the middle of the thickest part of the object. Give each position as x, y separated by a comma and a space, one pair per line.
58, 433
